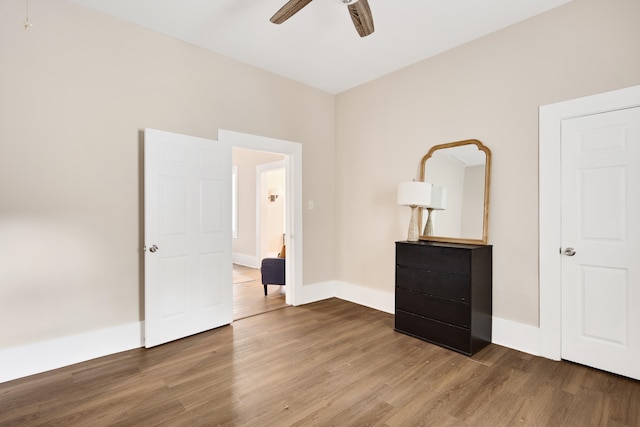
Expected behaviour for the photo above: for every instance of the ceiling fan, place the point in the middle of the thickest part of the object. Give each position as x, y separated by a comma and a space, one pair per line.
358, 10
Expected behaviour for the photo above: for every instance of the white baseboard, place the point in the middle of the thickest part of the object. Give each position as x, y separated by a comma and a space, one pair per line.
518, 336
378, 300
44, 356
52, 354
316, 292
372, 298
246, 260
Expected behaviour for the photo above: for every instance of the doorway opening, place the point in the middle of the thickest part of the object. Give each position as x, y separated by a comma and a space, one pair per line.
261, 230
289, 154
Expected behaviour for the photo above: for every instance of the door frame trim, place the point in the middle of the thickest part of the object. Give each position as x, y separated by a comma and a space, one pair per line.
293, 201
549, 219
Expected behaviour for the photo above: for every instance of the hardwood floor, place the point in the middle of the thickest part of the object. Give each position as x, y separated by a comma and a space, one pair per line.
330, 363
248, 294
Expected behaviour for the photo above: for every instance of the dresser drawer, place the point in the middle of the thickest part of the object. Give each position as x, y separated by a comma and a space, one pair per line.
444, 310
451, 286
453, 337
442, 259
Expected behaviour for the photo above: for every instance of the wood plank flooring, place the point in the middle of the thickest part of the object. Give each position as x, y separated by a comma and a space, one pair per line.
330, 363
248, 294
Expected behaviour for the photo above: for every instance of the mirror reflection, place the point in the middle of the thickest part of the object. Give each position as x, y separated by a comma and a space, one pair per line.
461, 169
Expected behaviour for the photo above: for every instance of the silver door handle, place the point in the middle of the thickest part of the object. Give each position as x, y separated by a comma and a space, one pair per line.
153, 249
569, 252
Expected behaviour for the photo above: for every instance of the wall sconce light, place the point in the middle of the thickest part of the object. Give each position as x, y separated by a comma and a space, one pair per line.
414, 194
272, 195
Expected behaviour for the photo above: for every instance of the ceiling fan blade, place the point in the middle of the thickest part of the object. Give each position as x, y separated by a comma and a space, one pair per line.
361, 17
288, 10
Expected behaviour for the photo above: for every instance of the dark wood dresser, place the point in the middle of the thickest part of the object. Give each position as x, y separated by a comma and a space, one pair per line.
443, 294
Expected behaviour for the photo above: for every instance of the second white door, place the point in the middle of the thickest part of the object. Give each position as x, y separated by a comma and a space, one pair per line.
601, 241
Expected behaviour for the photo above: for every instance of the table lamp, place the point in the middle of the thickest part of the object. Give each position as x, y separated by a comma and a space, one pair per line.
415, 194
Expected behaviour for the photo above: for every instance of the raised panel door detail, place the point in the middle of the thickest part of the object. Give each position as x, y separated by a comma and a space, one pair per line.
210, 214
173, 153
603, 203
603, 140
173, 284
173, 201
604, 304
211, 268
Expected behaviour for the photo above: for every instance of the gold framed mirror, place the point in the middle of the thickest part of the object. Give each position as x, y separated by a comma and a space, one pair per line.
461, 171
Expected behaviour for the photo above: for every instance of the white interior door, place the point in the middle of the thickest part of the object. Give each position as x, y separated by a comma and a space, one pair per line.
188, 267
601, 224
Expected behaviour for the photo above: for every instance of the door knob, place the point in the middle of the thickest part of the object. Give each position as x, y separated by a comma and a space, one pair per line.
569, 252
153, 249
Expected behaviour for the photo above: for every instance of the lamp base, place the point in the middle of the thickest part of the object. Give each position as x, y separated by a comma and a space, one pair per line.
428, 228
414, 230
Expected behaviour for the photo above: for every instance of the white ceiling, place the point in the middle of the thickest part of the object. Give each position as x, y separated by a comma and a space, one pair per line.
319, 46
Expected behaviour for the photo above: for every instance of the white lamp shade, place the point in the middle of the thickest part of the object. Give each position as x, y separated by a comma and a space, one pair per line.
416, 193
438, 198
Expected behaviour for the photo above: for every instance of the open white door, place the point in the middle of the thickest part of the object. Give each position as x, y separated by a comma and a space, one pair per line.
188, 266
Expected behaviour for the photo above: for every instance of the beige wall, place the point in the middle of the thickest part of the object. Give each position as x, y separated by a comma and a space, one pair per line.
75, 90
489, 89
